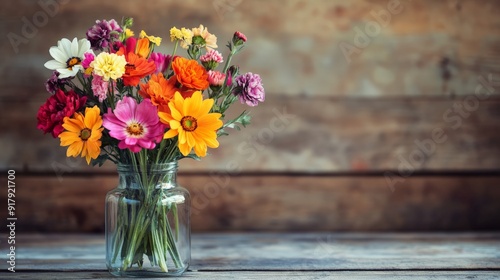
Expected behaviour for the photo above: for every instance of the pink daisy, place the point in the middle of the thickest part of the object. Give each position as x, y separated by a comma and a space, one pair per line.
137, 126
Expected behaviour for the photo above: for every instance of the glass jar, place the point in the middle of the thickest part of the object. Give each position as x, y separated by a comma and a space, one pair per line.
147, 223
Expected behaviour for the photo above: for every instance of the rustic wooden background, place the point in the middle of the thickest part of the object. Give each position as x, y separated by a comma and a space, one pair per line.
380, 115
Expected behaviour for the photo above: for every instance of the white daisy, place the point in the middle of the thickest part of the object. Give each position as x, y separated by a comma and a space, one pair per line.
68, 56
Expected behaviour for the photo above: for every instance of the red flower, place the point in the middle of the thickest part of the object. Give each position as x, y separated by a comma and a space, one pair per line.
51, 114
239, 38
138, 65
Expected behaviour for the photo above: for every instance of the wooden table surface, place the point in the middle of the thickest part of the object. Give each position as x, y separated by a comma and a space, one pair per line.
279, 256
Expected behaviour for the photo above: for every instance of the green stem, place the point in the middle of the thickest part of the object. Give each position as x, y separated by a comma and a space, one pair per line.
171, 58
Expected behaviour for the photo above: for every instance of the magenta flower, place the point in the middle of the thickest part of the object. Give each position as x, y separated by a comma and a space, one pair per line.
249, 89
103, 33
137, 126
99, 87
216, 78
161, 61
88, 58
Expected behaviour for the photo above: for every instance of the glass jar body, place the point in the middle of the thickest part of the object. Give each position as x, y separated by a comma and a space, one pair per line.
148, 223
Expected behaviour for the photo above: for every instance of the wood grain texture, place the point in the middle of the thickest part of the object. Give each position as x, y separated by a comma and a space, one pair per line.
286, 275
293, 134
277, 203
423, 48
305, 256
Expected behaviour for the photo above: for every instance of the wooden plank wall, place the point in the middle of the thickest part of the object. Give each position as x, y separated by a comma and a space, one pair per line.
380, 115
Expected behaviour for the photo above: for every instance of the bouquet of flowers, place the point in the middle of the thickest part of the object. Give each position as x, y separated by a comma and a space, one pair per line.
114, 98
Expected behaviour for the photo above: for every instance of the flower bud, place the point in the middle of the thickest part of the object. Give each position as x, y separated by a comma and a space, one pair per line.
239, 38
128, 22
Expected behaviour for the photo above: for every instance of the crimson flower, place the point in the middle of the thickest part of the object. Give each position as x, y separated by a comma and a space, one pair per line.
51, 114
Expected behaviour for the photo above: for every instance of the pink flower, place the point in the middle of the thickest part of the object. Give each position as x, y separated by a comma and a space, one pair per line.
212, 55
161, 61
99, 87
211, 59
88, 58
137, 126
216, 78
239, 38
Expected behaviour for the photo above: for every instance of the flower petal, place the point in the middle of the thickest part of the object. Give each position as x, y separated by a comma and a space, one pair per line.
74, 149
190, 139
125, 109
58, 55
170, 134
92, 116
200, 149
184, 149
54, 65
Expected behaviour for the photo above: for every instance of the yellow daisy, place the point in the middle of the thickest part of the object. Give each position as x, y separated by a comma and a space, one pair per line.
190, 120
83, 134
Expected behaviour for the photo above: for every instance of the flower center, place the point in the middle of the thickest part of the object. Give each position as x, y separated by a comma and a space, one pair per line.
189, 123
85, 134
135, 129
129, 67
72, 62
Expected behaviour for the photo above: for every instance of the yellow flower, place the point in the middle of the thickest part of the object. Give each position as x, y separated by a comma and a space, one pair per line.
83, 134
184, 35
109, 66
128, 33
210, 39
190, 120
152, 39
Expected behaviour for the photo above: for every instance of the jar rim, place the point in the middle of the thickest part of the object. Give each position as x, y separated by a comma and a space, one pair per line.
154, 167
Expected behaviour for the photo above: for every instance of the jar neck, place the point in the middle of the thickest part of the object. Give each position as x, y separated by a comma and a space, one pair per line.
162, 175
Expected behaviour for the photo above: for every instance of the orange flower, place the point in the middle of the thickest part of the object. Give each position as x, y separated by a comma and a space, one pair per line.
142, 48
160, 91
137, 68
190, 73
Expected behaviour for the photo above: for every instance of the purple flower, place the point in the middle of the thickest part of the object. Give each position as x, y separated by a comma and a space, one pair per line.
249, 89
54, 84
103, 33
161, 61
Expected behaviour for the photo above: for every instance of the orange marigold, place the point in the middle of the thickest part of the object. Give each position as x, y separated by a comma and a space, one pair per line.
190, 73
160, 91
